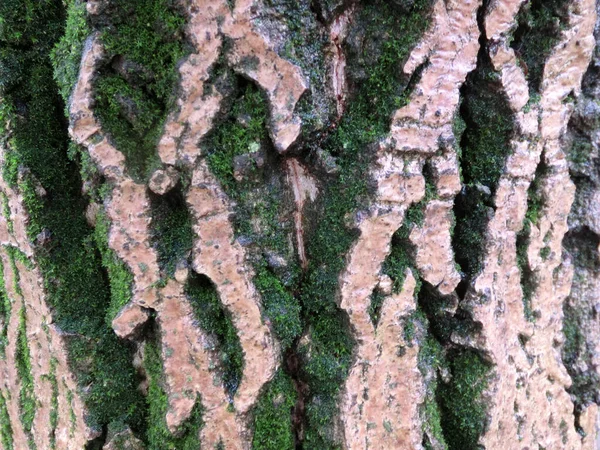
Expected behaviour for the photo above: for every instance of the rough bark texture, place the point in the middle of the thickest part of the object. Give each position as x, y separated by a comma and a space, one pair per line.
278, 224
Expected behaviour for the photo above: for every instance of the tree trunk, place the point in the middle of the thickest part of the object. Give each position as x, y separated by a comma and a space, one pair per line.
277, 224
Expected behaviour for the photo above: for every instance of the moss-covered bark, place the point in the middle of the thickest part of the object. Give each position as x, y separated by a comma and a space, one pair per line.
297, 212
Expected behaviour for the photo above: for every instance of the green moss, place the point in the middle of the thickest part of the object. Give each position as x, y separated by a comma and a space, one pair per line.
431, 358
6, 433
463, 409
273, 428
77, 290
72, 416
51, 377
158, 435
104, 366
27, 400
564, 430
367, 119
214, 319
132, 103
5, 312
535, 202
171, 229
401, 252
534, 206
528, 288
6, 212
453, 413
539, 25
134, 122
473, 211
280, 306
484, 127
119, 275
260, 207
66, 55
545, 253
459, 126
580, 152
232, 138
375, 304
486, 141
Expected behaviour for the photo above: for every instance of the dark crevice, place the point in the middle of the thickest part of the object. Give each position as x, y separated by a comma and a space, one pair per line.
484, 127
98, 443
487, 127
580, 244
376, 302
580, 319
216, 321
242, 157
540, 23
171, 229
431, 364
456, 375
535, 204
74, 284
473, 210
292, 368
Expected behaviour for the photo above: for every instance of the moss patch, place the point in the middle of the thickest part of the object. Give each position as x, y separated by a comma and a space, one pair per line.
6, 433
53, 403
485, 127
273, 428
378, 93
431, 359
473, 211
236, 137
241, 144
171, 229
76, 287
485, 142
401, 255
158, 435
119, 276
539, 25
463, 409
534, 206
27, 400
376, 302
66, 55
5, 312
144, 42
454, 411
6, 212
51, 378
215, 320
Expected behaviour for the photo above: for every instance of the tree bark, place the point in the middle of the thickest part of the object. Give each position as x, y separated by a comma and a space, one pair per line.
273, 224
